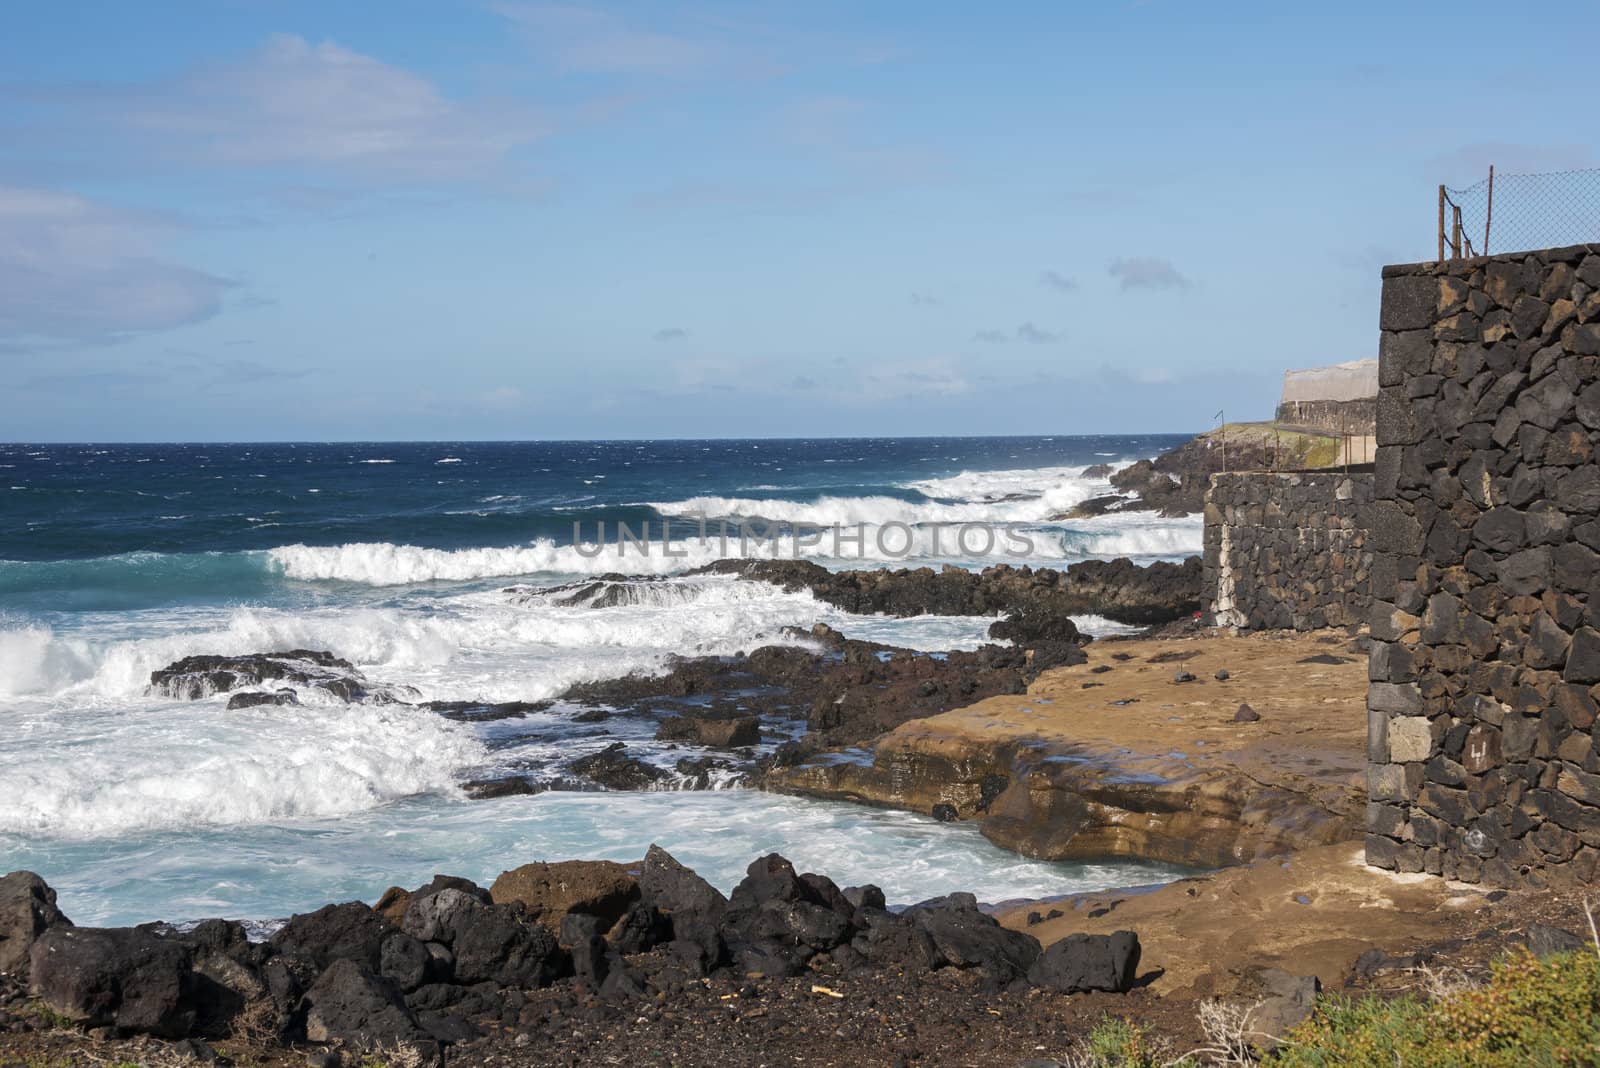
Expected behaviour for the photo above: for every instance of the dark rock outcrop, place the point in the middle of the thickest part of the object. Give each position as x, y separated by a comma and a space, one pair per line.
1117, 589
351, 931
614, 769
196, 677
349, 1004
460, 965
126, 977
1083, 962
27, 910
732, 733
488, 943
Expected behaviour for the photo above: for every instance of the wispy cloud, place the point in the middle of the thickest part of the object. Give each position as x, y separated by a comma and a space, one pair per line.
1028, 333
1147, 272
926, 300
585, 40
95, 380
671, 334
295, 106
73, 269
936, 377
1057, 281
1034, 335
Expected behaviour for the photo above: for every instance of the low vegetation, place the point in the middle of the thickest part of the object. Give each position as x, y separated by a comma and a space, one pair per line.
1530, 1011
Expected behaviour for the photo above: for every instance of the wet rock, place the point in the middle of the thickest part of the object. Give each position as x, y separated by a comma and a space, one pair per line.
735, 733
27, 910
481, 712
549, 891
945, 812
1117, 589
509, 786
128, 978
195, 677
614, 769
258, 698
1246, 714
1082, 962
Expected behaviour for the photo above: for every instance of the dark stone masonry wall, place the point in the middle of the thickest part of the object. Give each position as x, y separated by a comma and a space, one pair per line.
1287, 551
1482, 725
1336, 417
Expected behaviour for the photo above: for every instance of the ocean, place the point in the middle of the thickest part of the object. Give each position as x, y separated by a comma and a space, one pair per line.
116, 560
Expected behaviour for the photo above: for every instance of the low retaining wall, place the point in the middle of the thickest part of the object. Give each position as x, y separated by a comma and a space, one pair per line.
1287, 551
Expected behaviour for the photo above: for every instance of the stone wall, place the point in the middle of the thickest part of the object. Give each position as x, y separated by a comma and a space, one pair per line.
1335, 417
1287, 551
1482, 727
1341, 399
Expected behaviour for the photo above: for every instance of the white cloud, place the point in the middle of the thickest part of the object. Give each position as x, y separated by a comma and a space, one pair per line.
1057, 281
72, 269
588, 41
292, 104
1147, 272
501, 399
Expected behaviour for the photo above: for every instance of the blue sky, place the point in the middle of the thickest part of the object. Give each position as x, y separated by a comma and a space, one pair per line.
257, 220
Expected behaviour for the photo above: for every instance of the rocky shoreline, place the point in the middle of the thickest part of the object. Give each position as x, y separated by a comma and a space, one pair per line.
454, 966
1061, 748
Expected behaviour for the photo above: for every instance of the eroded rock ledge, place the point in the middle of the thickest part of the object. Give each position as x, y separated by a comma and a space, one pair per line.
1138, 753
1117, 589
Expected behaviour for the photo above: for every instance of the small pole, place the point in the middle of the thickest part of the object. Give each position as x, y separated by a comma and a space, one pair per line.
1488, 216
1455, 233
1441, 222
1222, 433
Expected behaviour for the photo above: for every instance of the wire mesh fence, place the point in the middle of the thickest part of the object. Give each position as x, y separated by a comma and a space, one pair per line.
1519, 212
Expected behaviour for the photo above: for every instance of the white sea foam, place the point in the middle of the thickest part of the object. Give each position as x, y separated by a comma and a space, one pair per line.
479, 646
108, 770
997, 485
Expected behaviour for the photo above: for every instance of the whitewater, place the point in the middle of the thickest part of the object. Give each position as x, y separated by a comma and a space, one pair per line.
415, 563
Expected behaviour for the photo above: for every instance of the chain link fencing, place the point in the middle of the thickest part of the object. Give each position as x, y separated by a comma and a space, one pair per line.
1519, 212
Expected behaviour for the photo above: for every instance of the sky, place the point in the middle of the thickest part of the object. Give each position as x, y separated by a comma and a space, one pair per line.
260, 220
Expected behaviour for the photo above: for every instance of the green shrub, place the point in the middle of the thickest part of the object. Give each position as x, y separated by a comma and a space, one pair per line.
1119, 1043
1532, 1011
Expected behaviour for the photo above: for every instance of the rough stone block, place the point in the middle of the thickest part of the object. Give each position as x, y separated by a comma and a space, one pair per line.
1387, 782
1408, 302
1583, 661
1403, 698
1410, 739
